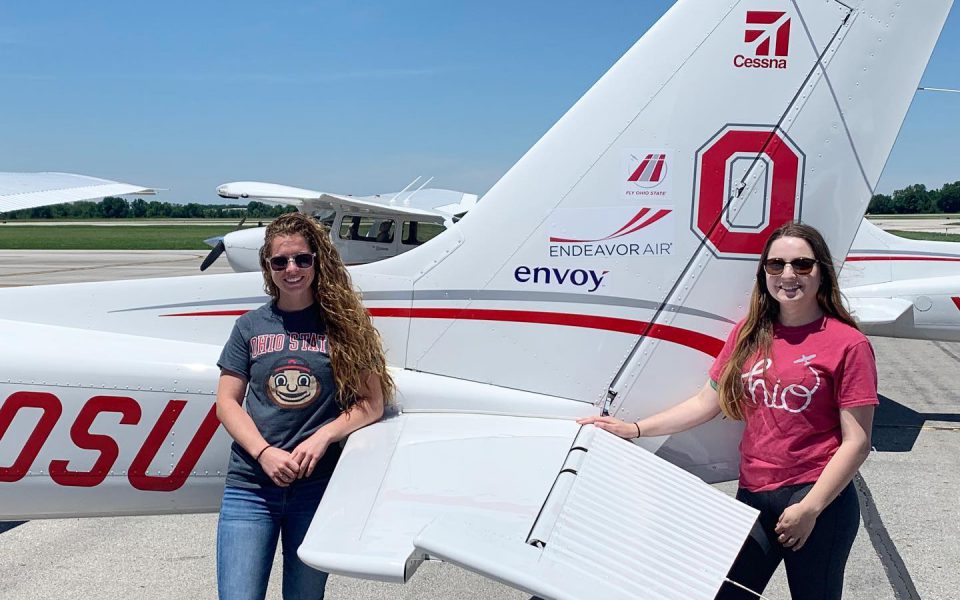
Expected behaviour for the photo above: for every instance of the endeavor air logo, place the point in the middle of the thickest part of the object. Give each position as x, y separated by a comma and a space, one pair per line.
646, 173
611, 232
768, 33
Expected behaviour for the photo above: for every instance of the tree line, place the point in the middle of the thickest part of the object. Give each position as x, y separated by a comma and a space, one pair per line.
113, 207
913, 199
917, 199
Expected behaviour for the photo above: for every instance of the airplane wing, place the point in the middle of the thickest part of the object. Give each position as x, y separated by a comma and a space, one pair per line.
425, 202
27, 190
540, 504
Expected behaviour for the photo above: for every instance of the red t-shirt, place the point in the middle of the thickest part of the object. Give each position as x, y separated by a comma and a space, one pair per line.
794, 397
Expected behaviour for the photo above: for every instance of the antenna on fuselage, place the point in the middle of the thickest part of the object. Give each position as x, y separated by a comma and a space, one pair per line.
406, 201
408, 186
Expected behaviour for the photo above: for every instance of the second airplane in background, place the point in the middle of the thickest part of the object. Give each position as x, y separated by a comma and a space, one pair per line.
363, 228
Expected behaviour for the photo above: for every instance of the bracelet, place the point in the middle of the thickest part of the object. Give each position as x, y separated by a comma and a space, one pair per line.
259, 454
637, 425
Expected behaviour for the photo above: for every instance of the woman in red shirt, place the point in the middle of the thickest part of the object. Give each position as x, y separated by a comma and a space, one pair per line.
803, 377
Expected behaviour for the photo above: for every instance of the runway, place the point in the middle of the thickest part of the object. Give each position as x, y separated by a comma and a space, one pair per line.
906, 548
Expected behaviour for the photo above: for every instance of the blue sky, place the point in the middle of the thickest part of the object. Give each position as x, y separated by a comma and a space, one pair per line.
349, 97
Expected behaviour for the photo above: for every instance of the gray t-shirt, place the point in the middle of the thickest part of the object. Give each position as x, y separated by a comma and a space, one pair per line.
291, 391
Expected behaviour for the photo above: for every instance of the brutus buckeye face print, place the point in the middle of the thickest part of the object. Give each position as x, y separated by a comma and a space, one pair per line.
292, 385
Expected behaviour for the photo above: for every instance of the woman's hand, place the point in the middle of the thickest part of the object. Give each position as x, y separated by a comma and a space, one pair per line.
279, 466
795, 525
627, 431
309, 452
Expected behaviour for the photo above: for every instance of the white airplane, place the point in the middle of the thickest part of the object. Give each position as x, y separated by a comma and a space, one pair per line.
897, 287
903, 288
363, 229
600, 274
28, 190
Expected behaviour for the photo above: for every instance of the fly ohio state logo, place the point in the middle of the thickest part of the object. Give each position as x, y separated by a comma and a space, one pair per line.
748, 182
768, 35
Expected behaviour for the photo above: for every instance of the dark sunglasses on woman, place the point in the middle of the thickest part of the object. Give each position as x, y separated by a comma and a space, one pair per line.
302, 261
801, 266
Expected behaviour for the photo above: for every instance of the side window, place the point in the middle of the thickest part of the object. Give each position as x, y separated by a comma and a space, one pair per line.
383, 231
366, 229
418, 232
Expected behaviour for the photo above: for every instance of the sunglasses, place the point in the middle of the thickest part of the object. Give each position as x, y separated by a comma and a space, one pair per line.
302, 261
801, 266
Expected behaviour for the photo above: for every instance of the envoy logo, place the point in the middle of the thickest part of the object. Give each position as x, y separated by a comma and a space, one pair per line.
611, 232
768, 31
587, 279
647, 173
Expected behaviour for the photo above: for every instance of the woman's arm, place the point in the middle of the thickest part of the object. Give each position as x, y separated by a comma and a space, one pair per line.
797, 521
276, 463
368, 409
696, 410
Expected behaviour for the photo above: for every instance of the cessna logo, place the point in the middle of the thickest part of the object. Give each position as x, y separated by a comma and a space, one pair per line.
768, 33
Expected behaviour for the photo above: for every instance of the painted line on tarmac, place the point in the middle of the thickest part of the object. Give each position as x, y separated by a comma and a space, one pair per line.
164, 261
893, 565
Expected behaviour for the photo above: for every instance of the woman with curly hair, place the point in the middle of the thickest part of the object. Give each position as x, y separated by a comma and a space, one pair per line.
310, 369
800, 374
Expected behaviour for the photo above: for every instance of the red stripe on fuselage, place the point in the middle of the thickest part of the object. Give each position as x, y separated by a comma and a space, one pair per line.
930, 258
956, 300
685, 337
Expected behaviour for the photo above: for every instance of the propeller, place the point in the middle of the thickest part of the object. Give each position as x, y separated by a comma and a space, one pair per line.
218, 246
218, 249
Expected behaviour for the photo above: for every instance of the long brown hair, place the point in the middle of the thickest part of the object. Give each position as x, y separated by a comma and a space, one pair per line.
756, 333
355, 347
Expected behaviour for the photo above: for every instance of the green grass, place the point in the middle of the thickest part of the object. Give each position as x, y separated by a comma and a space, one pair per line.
183, 237
927, 235
114, 237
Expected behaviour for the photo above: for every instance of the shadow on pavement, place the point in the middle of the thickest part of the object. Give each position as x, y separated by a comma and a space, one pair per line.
896, 427
6, 526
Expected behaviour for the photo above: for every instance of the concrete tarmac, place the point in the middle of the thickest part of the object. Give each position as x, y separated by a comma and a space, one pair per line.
932, 225
906, 548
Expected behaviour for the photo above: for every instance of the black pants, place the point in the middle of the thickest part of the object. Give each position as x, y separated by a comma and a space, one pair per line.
815, 572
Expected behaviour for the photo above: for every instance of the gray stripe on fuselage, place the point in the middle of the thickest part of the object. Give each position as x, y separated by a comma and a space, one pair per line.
459, 295
547, 297
221, 302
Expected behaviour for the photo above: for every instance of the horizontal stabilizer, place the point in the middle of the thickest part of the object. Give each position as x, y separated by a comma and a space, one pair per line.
29, 190
397, 476
878, 311
539, 504
619, 523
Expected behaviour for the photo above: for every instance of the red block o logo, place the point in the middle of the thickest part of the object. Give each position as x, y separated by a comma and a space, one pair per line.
775, 162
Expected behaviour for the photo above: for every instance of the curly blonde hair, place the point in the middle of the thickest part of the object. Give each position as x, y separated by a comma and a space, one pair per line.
756, 334
355, 347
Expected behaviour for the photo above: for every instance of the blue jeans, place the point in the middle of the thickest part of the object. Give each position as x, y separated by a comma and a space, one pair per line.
251, 520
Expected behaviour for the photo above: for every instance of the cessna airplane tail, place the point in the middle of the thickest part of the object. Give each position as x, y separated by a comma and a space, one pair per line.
601, 273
